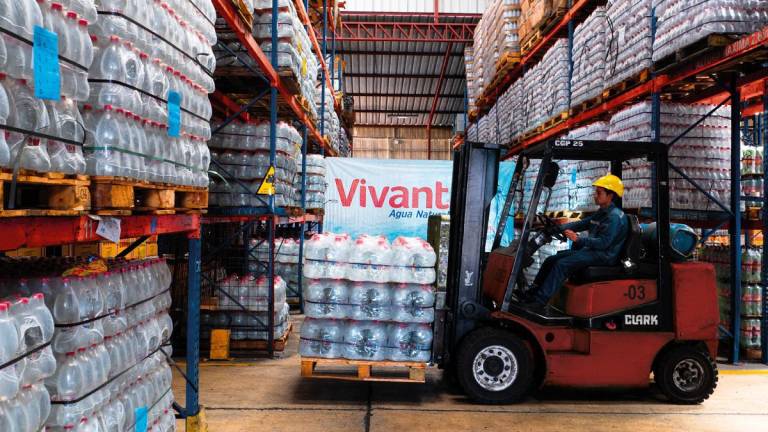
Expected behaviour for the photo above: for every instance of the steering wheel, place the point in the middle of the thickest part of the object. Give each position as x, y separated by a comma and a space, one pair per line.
551, 227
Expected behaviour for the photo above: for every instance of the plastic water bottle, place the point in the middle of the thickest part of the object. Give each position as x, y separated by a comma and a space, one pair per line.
9, 343
321, 338
365, 340
5, 151
326, 299
413, 303
370, 301
410, 342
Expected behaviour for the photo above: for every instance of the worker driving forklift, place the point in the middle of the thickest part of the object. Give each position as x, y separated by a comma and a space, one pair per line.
632, 304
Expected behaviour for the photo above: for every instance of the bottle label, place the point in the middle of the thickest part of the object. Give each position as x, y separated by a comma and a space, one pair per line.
46, 70
174, 114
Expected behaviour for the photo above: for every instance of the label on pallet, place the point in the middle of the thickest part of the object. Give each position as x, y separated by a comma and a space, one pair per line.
141, 419
174, 114
46, 69
109, 228
267, 186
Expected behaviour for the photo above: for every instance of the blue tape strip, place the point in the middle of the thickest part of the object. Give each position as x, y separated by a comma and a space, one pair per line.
141, 419
46, 68
174, 114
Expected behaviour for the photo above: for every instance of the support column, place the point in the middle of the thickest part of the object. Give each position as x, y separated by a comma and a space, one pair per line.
735, 225
193, 326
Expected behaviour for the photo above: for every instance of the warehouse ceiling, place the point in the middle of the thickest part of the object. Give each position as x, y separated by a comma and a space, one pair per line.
405, 69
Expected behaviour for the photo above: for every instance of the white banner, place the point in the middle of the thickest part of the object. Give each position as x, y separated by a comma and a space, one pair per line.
385, 197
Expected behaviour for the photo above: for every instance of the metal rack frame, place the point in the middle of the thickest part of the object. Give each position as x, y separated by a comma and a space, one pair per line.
737, 66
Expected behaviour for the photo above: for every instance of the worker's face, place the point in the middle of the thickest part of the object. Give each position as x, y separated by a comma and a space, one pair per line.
602, 197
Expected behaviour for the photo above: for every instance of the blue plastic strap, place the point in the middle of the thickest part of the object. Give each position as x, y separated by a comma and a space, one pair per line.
47, 72
141, 419
174, 114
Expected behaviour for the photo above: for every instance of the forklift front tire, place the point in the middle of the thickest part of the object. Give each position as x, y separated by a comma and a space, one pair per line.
686, 375
494, 366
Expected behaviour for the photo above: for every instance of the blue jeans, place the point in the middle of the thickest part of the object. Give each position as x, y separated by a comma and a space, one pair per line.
557, 268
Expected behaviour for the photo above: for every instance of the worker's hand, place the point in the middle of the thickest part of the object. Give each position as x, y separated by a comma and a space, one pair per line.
572, 236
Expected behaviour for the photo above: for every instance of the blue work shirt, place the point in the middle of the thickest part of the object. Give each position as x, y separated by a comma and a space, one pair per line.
607, 233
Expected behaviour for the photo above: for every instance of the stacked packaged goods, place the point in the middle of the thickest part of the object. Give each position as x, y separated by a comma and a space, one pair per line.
536, 15
344, 145
590, 48
242, 151
316, 184
332, 125
286, 261
38, 122
472, 81
682, 23
105, 325
368, 299
495, 37
630, 41
147, 116
543, 91
294, 49
703, 154
247, 297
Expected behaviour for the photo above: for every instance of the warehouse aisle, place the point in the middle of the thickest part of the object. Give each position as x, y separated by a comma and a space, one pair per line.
269, 395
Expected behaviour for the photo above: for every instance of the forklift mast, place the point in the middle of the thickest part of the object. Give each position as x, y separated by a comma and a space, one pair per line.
475, 178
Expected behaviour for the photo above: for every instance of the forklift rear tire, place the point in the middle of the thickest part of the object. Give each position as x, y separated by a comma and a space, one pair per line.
686, 375
494, 366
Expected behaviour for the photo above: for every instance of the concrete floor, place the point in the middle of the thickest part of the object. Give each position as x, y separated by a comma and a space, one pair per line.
269, 395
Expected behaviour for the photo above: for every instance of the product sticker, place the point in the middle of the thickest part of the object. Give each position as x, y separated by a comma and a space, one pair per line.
141, 419
109, 228
174, 114
46, 70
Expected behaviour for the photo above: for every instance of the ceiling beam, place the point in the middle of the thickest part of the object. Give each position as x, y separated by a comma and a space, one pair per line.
349, 15
364, 31
400, 76
410, 95
404, 112
397, 53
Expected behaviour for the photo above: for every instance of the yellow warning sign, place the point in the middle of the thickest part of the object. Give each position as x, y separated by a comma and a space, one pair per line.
268, 184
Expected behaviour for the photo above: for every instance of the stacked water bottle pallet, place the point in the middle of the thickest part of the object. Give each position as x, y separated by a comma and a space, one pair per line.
44, 194
370, 303
686, 31
122, 196
537, 17
94, 339
243, 310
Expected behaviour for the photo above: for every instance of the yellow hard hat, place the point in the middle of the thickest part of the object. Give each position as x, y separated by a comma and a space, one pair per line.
612, 183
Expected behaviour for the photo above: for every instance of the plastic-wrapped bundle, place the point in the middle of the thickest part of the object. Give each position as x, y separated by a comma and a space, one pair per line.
315, 182
370, 301
328, 247
369, 273
703, 154
564, 188
370, 250
326, 299
322, 338
409, 342
251, 292
413, 303
365, 340
684, 22
630, 45
590, 47
582, 192
325, 269
412, 252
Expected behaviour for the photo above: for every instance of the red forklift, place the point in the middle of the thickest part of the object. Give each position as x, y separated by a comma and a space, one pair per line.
611, 327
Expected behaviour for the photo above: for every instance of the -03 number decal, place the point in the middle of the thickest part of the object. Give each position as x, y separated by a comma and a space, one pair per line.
635, 292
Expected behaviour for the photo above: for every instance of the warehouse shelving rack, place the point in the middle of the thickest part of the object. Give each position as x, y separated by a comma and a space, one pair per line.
33, 232
265, 83
720, 76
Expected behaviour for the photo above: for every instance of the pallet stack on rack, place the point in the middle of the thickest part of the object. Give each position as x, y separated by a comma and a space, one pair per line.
714, 63
274, 123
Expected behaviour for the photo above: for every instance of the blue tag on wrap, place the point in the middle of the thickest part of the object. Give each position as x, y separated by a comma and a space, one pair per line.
573, 176
174, 114
46, 68
141, 419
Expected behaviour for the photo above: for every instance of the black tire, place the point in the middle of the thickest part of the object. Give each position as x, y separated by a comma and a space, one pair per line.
511, 355
686, 375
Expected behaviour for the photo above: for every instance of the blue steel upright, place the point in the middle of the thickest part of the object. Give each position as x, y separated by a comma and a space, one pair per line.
762, 136
735, 225
193, 327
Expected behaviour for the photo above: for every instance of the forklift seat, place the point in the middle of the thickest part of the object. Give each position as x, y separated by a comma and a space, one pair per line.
631, 261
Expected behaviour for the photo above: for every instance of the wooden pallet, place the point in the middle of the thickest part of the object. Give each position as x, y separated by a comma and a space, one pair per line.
690, 53
585, 105
244, 12
118, 196
289, 80
530, 41
224, 348
363, 370
316, 212
554, 121
621, 87
294, 211
752, 354
45, 194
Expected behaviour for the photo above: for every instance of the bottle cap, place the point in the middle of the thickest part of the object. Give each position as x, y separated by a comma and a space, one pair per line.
4, 306
72, 15
38, 296
108, 107
82, 22
87, 107
114, 38
57, 6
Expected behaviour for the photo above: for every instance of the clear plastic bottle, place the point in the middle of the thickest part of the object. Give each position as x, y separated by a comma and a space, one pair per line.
321, 338
410, 342
5, 151
69, 382
365, 340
